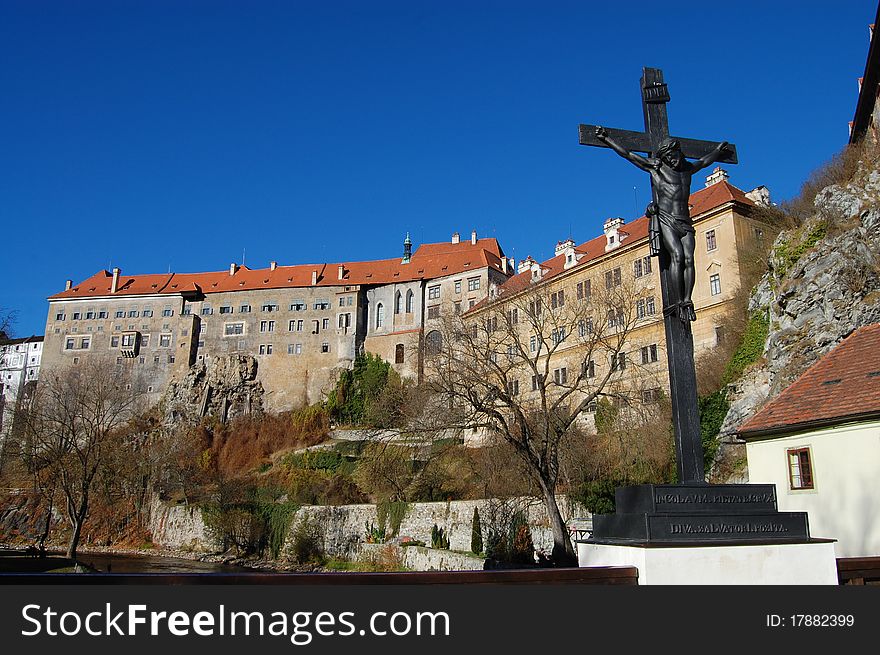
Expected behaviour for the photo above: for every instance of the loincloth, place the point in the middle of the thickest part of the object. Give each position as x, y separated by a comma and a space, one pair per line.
681, 226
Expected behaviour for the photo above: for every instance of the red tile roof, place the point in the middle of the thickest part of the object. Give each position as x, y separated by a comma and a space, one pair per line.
843, 385
429, 261
701, 202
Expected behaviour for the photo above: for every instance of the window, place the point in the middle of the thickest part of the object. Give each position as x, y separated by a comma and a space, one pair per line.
474, 284
618, 362
102, 313
233, 328
269, 307
513, 387
114, 342
291, 349
133, 313
296, 326
615, 318
592, 406
265, 349
164, 340
719, 335
458, 286
711, 244
297, 306
715, 284
557, 299
645, 307
325, 324
651, 395
120, 313
145, 340
434, 312
513, 316
471, 303
560, 375
457, 308
77, 316
325, 347
800, 468
297, 349
344, 320
225, 309
434, 292
316, 326
59, 316
535, 307
167, 312
585, 327
642, 267
147, 313
398, 354
380, 315
649, 354
128, 340
69, 344
535, 382
342, 300
322, 303
588, 369
186, 311
612, 278
245, 309
583, 290
491, 323
398, 303
558, 335
267, 326
433, 343
409, 302
533, 343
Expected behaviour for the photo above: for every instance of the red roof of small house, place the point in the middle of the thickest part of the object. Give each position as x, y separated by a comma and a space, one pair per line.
429, 261
842, 386
701, 202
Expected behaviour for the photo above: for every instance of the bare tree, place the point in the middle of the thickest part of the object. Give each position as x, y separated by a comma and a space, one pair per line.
73, 423
528, 367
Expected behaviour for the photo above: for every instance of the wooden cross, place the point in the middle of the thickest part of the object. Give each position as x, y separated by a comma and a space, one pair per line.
679, 340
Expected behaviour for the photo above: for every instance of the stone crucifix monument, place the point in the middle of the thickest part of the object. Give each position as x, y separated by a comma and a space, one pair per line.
656, 527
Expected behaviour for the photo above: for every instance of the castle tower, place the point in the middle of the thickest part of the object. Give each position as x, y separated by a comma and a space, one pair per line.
407, 250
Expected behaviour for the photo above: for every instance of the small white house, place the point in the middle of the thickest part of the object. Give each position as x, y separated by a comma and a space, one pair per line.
819, 442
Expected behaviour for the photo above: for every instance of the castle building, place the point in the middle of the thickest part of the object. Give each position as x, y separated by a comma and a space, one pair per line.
574, 288
301, 323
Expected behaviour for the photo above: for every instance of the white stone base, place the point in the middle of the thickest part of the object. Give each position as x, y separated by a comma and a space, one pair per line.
779, 564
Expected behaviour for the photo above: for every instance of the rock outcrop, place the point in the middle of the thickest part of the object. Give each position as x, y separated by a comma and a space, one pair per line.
223, 388
822, 283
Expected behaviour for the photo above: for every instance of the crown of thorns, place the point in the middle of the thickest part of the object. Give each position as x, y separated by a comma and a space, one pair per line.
667, 145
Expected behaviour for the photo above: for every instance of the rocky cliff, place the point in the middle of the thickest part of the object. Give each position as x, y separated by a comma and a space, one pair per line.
821, 284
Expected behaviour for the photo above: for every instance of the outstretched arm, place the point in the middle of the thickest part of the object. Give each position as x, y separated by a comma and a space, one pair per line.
638, 160
710, 158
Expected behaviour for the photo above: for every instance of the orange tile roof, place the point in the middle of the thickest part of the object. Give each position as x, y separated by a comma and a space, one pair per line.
843, 385
701, 202
429, 261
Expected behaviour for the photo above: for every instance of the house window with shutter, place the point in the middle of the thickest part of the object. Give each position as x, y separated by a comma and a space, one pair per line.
800, 468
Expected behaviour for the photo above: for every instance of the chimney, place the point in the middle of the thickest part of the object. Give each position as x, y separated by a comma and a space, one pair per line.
314, 278
273, 266
68, 284
562, 246
525, 264
473, 237
115, 283
504, 265
716, 176
456, 237
232, 268
341, 272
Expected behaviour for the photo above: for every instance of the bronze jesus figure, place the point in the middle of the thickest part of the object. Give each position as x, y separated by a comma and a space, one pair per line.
669, 216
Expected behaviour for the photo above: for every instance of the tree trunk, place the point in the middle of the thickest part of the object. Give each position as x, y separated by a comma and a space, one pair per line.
563, 551
77, 518
41, 542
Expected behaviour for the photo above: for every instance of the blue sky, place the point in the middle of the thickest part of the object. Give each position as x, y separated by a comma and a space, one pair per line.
150, 135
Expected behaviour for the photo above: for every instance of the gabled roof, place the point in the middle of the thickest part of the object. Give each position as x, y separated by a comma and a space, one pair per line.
701, 201
432, 260
842, 386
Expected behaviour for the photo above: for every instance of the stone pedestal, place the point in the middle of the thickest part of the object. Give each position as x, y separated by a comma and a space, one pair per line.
697, 533
810, 563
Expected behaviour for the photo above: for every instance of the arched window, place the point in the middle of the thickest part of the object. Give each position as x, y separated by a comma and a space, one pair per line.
380, 315
398, 354
398, 303
433, 343
409, 301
